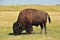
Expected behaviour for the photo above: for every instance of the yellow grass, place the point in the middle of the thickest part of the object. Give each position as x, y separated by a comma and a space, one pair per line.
20, 7
7, 18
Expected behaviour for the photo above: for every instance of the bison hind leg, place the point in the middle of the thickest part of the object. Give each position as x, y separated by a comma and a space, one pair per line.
45, 28
41, 25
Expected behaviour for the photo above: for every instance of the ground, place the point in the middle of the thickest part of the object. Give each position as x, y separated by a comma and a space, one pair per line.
7, 18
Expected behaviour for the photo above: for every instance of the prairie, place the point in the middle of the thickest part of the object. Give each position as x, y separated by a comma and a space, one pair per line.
9, 14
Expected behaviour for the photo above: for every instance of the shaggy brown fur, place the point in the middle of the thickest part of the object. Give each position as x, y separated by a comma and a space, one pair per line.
29, 17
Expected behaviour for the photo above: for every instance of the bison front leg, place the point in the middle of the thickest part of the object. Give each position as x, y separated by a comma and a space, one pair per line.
29, 29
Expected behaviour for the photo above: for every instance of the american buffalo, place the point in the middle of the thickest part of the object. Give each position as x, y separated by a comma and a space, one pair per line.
29, 17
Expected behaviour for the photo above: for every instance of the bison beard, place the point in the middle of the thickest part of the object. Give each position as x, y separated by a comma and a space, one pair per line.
29, 17
16, 29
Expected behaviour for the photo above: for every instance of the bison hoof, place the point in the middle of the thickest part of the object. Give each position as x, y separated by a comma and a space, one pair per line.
40, 32
28, 32
45, 32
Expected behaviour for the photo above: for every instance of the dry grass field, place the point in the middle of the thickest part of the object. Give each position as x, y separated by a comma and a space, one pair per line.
7, 18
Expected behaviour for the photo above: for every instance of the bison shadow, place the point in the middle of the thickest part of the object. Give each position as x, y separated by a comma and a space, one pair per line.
22, 34
16, 34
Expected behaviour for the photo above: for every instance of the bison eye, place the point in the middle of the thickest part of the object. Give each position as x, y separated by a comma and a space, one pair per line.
20, 25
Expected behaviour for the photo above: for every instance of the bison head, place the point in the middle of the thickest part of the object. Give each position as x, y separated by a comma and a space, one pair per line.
17, 28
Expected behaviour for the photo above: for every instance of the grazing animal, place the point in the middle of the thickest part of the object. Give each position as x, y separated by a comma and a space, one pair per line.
29, 17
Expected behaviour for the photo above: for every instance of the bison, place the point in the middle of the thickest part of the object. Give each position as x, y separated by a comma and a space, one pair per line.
29, 17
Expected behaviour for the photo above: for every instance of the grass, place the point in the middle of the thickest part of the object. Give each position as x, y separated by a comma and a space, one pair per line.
7, 18
20, 7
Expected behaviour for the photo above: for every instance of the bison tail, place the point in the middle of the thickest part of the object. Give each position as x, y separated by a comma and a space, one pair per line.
49, 19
